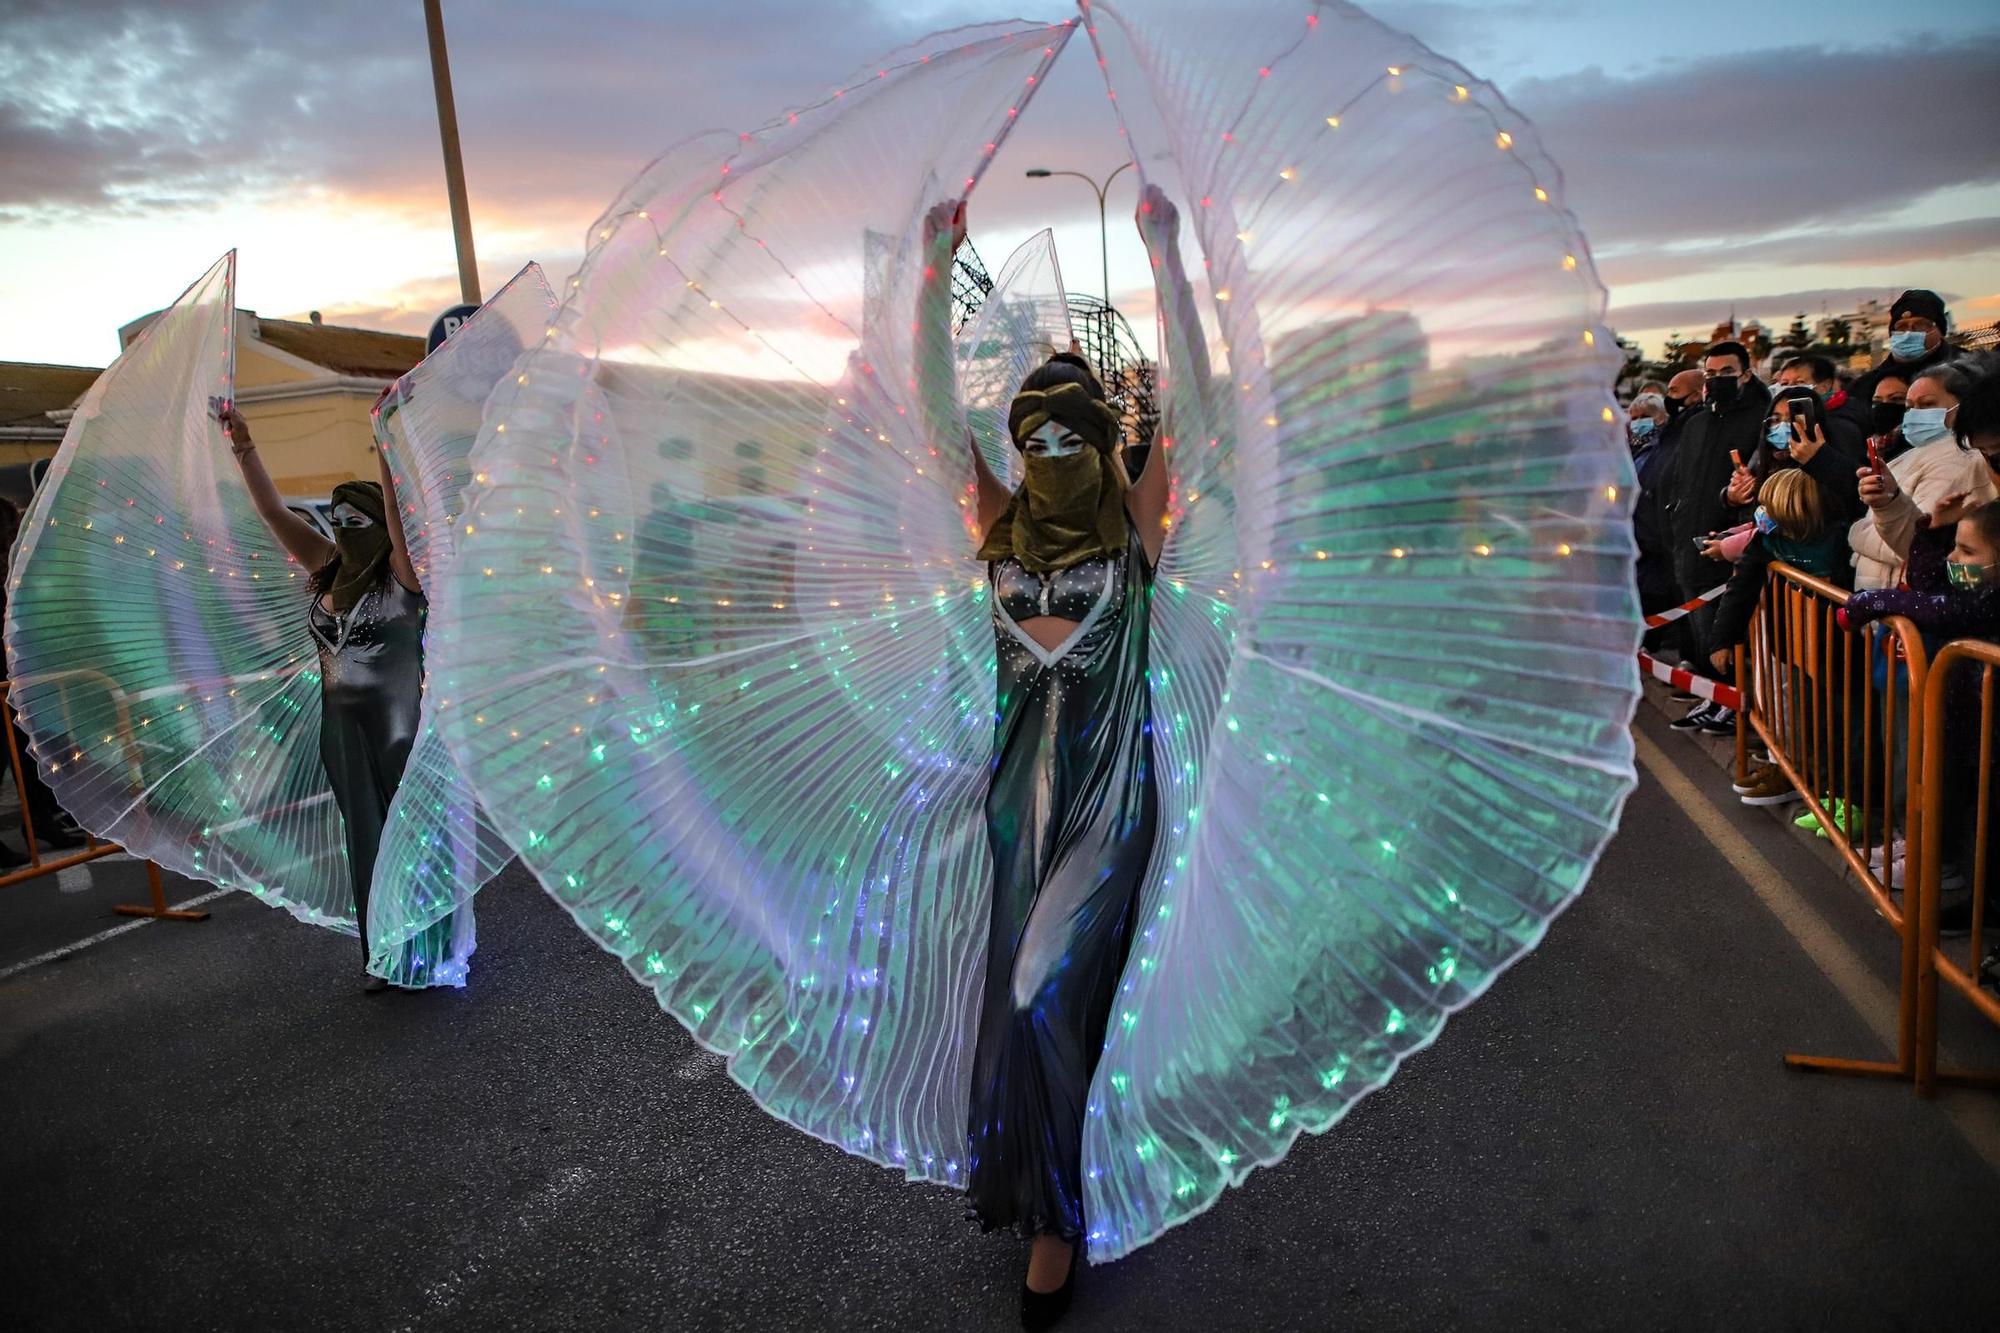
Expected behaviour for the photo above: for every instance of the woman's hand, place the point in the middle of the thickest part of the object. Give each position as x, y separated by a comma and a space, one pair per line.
1948, 511
1157, 215
1878, 489
1807, 440
236, 430
945, 219
1742, 487
1723, 659
1712, 550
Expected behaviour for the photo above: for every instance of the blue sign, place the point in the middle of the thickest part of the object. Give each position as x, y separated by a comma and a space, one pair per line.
447, 324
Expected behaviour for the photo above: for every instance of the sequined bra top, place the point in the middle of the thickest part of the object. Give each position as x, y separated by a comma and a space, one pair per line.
1069, 593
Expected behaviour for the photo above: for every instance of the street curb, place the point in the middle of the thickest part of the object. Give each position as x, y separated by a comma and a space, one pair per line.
1721, 751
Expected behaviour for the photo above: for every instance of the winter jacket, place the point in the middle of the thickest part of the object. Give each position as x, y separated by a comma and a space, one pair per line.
1700, 468
1823, 557
1657, 587
1881, 538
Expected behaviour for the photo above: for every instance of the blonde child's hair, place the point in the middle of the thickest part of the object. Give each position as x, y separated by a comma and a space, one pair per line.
1793, 499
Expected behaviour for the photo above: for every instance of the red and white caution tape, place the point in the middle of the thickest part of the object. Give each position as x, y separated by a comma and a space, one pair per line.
1714, 690
1669, 617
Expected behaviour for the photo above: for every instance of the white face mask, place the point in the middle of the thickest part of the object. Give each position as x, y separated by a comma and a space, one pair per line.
1053, 441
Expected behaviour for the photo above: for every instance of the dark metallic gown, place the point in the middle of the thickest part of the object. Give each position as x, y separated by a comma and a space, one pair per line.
371, 684
1070, 818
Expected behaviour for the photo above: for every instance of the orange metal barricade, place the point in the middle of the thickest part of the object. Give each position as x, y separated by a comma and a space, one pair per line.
1841, 714
1952, 796
156, 904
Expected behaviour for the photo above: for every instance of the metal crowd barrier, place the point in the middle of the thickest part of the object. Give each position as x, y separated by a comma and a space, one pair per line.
1854, 719
93, 848
1952, 797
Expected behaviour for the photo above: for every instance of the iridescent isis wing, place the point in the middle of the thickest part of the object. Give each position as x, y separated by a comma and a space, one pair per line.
1395, 622
157, 631
719, 657
1023, 320
438, 848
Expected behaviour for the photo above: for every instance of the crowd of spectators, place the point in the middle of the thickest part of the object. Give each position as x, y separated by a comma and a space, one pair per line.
1885, 484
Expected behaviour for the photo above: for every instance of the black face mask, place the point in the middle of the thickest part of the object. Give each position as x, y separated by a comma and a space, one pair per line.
1886, 416
1675, 406
1721, 391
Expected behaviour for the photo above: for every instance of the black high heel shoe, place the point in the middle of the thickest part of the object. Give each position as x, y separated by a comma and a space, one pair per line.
1041, 1309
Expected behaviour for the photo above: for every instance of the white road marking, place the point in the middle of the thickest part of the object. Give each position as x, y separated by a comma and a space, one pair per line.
1873, 1001
15, 969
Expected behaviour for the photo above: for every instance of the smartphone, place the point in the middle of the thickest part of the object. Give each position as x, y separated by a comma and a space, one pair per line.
1701, 542
1875, 463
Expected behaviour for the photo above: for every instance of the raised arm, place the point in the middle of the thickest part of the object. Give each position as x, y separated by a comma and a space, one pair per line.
296, 535
1188, 389
399, 550
937, 386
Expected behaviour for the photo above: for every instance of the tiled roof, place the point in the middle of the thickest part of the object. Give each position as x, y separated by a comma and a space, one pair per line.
29, 390
343, 350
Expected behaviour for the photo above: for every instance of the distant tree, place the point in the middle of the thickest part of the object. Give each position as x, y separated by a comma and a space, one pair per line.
1759, 343
1682, 352
1839, 336
1798, 335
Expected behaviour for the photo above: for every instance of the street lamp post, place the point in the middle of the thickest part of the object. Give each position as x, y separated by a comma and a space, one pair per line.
1103, 235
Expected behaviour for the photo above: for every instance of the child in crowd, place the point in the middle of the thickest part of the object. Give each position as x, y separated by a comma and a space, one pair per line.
1953, 593
1795, 523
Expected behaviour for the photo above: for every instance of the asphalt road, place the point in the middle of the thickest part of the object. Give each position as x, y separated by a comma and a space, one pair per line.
211, 1127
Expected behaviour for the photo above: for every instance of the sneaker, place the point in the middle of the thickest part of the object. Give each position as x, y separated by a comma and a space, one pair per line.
1720, 722
1834, 805
1695, 717
1758, 773
1773, 788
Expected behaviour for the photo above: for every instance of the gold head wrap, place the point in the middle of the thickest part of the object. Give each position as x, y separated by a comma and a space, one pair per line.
1068, 509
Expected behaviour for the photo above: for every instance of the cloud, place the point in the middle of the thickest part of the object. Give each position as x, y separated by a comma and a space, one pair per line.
1769, 140
1696, 315
1874, 247
558, 105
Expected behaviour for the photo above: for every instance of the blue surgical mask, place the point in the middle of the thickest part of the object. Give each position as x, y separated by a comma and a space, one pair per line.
1765, 523
1907, 346
1641, 428
1779, 436
1925, 425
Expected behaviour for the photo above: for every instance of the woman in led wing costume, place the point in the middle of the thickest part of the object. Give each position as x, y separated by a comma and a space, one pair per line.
367, 620
1383, 702
1073, 808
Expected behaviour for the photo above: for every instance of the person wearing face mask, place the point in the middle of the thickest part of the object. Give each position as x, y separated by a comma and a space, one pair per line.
1918, 323
1072, 805
366, 615
1729, 422
1885, 417
1646, 431
1953, 593
1683, 396
1799, 433
1793, 523
1935, 465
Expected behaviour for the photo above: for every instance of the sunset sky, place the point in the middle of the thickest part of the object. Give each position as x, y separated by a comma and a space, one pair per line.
1776, 157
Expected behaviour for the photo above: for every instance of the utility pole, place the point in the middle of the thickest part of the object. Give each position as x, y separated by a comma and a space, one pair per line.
454, 162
